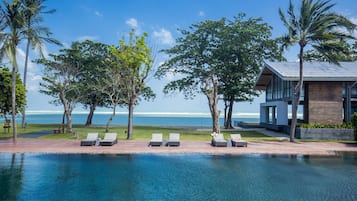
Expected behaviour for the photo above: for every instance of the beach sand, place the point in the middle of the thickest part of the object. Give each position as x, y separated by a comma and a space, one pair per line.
186, 147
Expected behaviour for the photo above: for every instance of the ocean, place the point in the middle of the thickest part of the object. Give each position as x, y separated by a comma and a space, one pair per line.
144, 119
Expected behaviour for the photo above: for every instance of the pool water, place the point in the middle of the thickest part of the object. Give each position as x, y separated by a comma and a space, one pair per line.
177, 177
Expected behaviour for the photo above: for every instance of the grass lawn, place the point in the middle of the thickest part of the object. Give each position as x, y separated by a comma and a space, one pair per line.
139, 133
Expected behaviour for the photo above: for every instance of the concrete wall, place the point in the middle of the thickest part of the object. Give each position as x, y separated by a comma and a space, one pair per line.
324, 103
325, 133
281, 108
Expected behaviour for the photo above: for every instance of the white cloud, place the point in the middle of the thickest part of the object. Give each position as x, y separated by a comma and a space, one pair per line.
21, 60
132, 22
83, 38
33, 82
164, 37
97, 13
201, 14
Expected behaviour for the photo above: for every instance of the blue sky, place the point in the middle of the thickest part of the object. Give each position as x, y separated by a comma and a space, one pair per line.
108, 21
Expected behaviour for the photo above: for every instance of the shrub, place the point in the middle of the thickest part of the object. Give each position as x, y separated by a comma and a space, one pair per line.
317, 125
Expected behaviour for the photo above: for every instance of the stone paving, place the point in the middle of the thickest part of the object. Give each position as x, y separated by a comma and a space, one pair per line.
186, 147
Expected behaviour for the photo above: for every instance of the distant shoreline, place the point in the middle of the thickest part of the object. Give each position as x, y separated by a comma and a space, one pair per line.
160, 114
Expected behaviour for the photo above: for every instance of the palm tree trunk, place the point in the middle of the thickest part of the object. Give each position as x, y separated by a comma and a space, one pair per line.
13, 93
296, 98
23, 123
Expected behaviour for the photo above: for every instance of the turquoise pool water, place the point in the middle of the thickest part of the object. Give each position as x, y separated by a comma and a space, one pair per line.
177, 177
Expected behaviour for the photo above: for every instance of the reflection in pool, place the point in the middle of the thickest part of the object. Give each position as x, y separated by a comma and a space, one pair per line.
177, 177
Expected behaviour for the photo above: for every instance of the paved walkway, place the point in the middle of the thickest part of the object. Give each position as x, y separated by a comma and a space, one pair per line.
204, 147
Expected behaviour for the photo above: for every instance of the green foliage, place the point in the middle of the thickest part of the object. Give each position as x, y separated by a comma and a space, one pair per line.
90, 56
348, 53
134, 63
232, 50
60, 77
316, 125
5, 88
246, 43
194, 58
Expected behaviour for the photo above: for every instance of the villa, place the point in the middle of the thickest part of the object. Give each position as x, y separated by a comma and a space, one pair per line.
329, 94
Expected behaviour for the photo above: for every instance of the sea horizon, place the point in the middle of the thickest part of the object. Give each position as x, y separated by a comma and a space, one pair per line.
189, 119
173, 114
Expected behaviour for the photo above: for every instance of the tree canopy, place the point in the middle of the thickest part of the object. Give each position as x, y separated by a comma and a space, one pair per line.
5, 88
133, 60
219, 57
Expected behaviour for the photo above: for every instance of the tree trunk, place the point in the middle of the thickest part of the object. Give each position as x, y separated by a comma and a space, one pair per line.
67, 110
23, 124
230, 113
110, 119
69, 120
13, 94
296, 98
225, 113
130, 119
212, 97
90, 115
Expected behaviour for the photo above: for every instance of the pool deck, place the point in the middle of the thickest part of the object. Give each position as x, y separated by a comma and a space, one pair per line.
186, 147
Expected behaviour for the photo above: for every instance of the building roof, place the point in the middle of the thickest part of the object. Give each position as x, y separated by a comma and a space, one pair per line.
313, 71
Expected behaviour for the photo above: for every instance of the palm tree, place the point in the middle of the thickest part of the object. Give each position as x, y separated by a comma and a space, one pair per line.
11, 25
36, 35
321, 29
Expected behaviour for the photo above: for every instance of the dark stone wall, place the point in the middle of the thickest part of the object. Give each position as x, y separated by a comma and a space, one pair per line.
324, 103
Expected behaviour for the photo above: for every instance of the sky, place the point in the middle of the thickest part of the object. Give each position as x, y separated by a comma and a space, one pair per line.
107, 21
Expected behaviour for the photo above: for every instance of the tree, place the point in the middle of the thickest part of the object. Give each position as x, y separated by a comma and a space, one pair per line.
36, 35
134, 61
246, 43
111, 87
194, 59
5, 88
92, 70
316, 26
11, 27
60, 81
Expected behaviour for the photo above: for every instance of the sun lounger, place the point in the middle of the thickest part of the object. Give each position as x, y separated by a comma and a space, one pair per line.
237, 141
174, 139
109, 139
90, 140
219, 141
156, 139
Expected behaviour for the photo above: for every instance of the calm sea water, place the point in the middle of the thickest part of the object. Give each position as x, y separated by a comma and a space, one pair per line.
121, 119
177, 177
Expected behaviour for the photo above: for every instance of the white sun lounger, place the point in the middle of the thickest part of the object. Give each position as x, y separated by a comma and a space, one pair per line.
219, 141
90, 140
237, 141
109, 139
174, 139
156, 139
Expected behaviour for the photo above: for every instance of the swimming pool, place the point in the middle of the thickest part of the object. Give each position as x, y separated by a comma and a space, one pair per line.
177, 177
